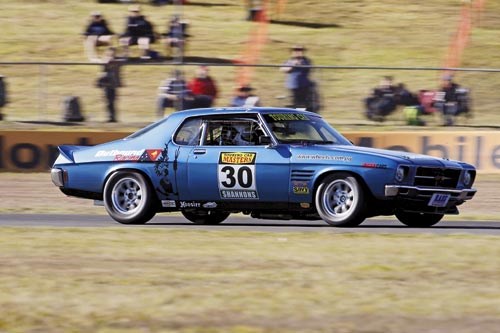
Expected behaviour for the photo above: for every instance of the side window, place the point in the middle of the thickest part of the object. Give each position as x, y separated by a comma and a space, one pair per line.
189, 132
232, 133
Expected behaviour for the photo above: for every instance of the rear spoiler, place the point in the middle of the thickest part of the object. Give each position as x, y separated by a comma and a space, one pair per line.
67, 151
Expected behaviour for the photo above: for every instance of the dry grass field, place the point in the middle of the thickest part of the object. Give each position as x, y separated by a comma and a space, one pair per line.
124, 280
347, 33
154, 280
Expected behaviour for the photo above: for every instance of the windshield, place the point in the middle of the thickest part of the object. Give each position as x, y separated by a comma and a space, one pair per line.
302, 129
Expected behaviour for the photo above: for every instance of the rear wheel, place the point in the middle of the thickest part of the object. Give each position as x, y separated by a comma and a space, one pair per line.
129, 199
209, 217
340, 200
418, 220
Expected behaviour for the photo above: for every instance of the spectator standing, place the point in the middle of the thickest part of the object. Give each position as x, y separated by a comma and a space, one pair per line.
96, 34
298, 81
203, 84
110, 81
138, 31
244, 97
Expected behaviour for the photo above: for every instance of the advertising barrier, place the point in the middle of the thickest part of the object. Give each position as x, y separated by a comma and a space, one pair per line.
30, 151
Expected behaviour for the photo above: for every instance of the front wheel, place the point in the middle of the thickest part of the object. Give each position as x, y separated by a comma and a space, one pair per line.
340, 200
129, 198
418, 220
210, 217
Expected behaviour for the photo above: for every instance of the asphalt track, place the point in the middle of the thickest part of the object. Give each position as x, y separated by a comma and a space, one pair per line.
390, 226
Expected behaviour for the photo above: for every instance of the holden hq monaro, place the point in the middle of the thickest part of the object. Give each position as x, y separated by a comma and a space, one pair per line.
269, 163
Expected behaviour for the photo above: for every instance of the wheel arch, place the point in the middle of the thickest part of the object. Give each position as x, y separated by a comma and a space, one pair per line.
320, 177
130, 169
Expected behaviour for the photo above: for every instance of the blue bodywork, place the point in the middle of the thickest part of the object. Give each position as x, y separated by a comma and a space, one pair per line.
273, 175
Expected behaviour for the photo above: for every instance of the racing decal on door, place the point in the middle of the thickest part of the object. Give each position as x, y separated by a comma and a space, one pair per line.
236, 176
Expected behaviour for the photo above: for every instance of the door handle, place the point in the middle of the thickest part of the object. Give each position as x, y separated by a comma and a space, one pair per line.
199, 151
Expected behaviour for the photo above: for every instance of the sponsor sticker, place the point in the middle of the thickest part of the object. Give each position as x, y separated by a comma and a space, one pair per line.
236, 175
210, 205
374, 165
288, 116
237, 158
300, 187
151, 155
189, 204
318, 157
143, 155
168, 204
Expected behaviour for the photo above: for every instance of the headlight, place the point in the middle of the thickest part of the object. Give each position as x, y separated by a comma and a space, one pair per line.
400, 173
467, 178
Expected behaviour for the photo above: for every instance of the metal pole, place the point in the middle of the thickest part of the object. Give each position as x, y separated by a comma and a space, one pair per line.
42, 92
180, 49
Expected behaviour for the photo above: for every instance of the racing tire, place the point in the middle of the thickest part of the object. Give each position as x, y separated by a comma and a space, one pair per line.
207, 217
340, 200
418, 220
129, 198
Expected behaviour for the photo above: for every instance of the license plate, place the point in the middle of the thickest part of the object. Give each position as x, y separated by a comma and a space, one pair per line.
439, 200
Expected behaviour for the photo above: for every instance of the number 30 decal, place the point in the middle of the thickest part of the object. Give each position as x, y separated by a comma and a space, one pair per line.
236, 175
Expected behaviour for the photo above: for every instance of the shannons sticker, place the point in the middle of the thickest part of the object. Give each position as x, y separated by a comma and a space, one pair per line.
236, 175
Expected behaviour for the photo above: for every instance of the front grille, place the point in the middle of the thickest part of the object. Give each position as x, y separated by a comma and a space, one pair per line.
437, 177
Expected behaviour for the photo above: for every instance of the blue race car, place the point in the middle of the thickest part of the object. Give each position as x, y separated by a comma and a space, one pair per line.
269, 163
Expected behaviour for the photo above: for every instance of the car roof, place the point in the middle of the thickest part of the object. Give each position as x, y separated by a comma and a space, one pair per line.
236, 110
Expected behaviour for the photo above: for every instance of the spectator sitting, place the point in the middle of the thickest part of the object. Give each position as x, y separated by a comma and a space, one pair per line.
97, 34
382, 101
139, 31
174, 93
203, 84
244, 98
176, 35
451, 100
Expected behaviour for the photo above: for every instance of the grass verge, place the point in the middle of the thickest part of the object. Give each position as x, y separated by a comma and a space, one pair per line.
142, 280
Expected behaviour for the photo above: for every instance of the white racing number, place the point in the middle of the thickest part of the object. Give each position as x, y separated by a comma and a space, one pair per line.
236, 175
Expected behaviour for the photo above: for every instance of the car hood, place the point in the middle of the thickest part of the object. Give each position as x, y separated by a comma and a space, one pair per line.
397, 156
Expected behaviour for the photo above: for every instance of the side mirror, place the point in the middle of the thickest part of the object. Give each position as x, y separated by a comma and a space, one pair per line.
265, 140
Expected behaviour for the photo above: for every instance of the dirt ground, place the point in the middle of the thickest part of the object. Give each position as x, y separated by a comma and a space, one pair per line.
35, 193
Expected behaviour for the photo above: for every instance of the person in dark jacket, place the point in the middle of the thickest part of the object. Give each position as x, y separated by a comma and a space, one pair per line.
451, 100
138, 31
96, 34
110, 81
298, 77
382, 101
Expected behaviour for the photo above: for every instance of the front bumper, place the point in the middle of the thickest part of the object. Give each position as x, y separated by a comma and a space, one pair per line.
415, 192
416, 199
